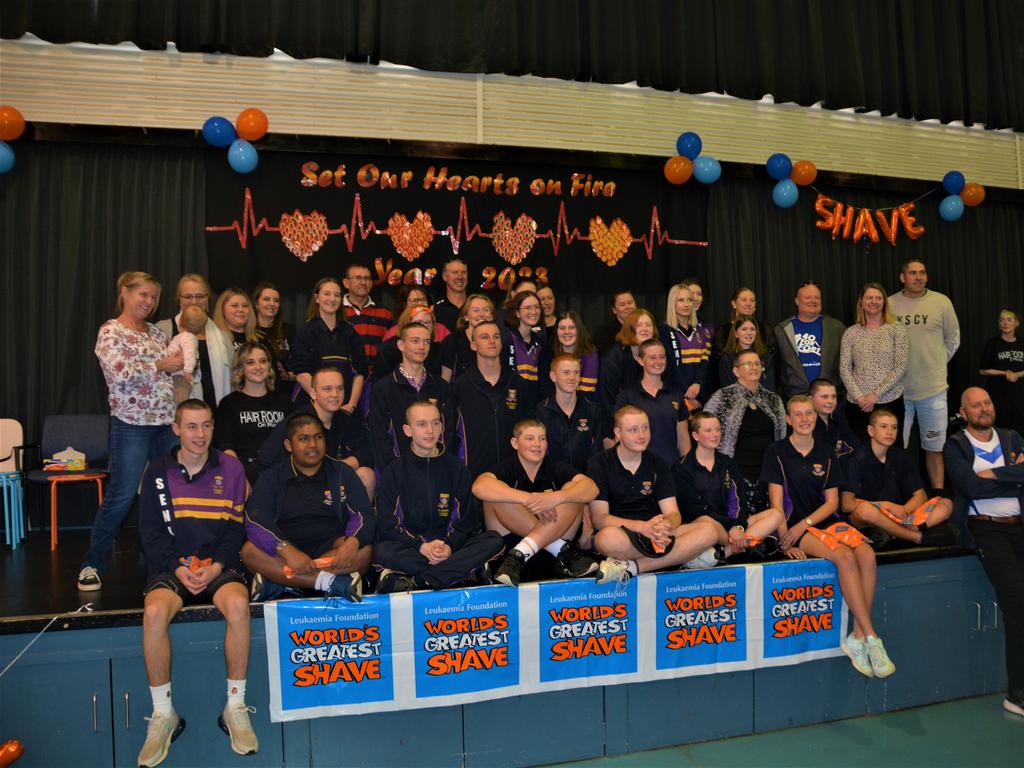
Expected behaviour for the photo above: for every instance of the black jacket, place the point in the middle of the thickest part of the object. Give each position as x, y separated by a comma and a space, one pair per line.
485, 416
389, 398
958, 454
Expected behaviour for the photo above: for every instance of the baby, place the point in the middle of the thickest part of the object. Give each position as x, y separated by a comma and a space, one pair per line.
192, 322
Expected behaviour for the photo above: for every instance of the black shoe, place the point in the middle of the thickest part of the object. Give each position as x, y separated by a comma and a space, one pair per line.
393, 581
1014, 703
942, 535
511, 568
765, 549
348, 586
573, 563
879, 538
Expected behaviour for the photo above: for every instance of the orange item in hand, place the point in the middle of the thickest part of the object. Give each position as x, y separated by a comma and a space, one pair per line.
194, 563
320, 562
10, 751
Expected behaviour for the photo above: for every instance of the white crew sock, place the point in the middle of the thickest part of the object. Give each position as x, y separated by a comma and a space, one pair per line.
236, 691
323, 580
161, 698
556, 547
528, 547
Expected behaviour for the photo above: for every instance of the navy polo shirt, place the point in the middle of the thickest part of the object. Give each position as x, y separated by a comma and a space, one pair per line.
664, 412
804, 479
633, 496
572, 438
714, 492
836, 436
307, 516
867, 478
551, 475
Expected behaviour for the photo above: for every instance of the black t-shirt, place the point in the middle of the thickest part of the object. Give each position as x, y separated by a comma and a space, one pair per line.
757, 432
1008, 397
804, 479
243, 422
867, 478
664, 412
278, 349
551, 475
633, 496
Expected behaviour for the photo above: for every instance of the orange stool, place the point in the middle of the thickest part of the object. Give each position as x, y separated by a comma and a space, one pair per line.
76, 478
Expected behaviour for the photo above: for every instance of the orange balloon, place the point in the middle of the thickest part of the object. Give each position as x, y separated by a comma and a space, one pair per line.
972, 194
251, 124
804, 173
12, 124
678, 169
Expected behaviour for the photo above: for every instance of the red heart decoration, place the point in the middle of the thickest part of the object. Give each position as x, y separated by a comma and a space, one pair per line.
411, 238
303, 235
513, 243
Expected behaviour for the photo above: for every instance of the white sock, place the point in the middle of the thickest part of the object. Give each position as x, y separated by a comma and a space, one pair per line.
556, 547
161, 699
323, 580
631, 566
528, 547
236, 691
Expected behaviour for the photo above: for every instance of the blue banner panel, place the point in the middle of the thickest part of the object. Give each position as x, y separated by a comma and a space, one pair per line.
802, 606
701, 617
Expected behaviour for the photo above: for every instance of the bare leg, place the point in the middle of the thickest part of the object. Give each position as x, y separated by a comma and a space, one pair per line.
936, 469
849, 581
233, 603
159, 608
271, 567
515, 518
690, 541
868, 514
369, 480
613, 542
868, 566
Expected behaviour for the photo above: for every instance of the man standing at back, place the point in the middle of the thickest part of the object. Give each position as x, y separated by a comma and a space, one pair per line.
455, 275
808, 344
370, 321
934, 333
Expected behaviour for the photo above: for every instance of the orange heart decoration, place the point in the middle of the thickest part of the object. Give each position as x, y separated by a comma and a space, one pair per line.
411, 238
513, 243
303, 235
610, 242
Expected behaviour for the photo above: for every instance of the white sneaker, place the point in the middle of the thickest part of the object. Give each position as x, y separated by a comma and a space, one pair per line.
881, 664
234, 721
613, 570
162, 730
706, 559
89, 579
1016, 707
857, 650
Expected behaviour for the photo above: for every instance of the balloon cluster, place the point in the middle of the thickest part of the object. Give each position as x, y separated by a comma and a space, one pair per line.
690, 162
789, 176
12, 125
251, 125
959, 193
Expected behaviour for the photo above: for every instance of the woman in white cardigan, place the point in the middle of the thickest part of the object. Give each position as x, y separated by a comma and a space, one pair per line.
215, 349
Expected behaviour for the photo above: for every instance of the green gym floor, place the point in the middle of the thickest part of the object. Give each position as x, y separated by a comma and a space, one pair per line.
971, 733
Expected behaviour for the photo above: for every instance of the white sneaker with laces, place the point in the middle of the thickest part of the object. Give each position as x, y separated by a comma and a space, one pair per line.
706, 559
613, 570
89, 579
857, 650
162, 730
234, 721
881, 664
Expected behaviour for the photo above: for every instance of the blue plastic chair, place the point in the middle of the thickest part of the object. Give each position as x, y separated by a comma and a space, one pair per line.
12, 481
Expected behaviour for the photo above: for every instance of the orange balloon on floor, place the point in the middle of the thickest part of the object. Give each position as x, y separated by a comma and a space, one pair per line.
12, 124
251, 124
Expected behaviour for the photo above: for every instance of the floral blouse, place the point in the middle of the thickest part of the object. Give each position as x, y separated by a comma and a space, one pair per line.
139, 394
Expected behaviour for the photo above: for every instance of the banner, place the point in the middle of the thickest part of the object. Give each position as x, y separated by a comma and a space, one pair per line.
428, 649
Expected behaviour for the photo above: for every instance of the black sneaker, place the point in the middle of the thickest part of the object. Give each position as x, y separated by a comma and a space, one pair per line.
767, 548
393, 581
573, 563
511, 568
879, 538
942, 535
1014, 703
348, 586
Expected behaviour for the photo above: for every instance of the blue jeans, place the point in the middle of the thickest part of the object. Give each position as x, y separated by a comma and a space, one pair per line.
131, 448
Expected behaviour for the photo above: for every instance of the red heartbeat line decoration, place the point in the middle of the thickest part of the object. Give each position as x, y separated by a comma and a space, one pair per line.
462, 231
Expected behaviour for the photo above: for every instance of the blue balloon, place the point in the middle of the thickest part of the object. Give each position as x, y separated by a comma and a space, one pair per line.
6, 157
785, 193
953, 182
218, 131
689, 145
951, 208
706, 169
242, 156
779, 166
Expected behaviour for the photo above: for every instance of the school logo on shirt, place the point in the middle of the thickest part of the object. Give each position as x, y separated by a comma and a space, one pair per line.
675, 404
646, 488
443, 504
341, 494
218, 485
817, 470
511, 398
328, 499
583, 425
843, 448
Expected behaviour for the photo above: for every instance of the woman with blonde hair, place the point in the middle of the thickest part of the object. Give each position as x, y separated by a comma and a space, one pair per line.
233, 314
620, 367
133, 357
873, 360
687, 345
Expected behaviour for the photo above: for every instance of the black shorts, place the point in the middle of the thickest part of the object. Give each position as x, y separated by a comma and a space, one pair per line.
171, 582
644, 545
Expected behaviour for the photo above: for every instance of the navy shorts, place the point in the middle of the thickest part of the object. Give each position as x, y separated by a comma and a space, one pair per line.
171, 582
644, 545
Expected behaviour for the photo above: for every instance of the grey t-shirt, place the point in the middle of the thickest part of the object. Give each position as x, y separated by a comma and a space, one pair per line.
934, 332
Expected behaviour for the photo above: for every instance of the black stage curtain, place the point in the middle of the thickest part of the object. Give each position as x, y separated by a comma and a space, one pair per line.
74, 217
944, 59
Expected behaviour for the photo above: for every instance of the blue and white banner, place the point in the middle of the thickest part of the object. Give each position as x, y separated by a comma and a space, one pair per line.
429, 649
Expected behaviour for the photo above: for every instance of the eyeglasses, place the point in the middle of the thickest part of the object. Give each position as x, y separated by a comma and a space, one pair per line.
193, 296
750, 366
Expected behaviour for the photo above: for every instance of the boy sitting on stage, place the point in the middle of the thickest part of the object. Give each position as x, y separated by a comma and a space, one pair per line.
708, 490
635, 513
430, 535
800, 477
190, 523
882, 488
308, 507
530, 496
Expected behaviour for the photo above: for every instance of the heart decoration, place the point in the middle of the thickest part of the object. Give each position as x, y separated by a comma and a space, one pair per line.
411, 238
610, 242
513, 243
303, 235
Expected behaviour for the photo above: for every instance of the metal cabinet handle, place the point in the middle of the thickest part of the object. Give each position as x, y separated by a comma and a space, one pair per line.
995, 615
95, 714
977, 617
127, 712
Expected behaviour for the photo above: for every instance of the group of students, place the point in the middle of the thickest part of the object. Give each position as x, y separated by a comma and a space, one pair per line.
495, 465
